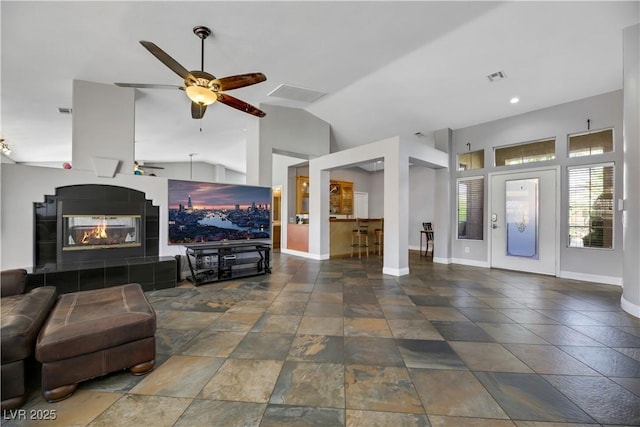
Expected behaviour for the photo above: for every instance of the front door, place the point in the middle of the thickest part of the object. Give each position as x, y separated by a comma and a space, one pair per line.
523, 221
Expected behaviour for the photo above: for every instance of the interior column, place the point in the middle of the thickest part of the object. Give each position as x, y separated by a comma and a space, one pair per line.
630, 301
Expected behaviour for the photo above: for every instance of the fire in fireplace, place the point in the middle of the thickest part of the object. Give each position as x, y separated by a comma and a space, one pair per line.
82, 232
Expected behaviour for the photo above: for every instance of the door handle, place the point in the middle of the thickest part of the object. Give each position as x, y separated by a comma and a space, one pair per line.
494, 226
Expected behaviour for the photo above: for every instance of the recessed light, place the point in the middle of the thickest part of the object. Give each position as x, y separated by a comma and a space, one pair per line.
514, 100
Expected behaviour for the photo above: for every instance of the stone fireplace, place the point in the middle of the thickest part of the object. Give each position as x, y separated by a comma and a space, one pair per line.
93, 236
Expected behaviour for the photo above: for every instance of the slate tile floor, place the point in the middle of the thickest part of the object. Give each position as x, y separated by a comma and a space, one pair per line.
336, 343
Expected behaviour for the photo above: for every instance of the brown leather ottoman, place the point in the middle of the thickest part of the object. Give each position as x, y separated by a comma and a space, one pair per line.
93, 333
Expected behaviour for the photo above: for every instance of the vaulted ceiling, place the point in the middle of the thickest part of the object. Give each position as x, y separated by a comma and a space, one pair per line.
387, 67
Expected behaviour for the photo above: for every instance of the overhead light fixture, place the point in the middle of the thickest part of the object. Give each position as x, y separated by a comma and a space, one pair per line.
514, 100
201, 95
4, 148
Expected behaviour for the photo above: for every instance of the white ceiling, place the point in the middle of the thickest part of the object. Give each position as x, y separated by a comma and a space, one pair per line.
388, 68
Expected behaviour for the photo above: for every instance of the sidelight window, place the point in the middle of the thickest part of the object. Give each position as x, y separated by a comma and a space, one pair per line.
591, 190
471, 208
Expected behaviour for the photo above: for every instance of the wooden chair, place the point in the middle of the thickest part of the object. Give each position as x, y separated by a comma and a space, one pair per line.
379, 239
427, 231
360, 236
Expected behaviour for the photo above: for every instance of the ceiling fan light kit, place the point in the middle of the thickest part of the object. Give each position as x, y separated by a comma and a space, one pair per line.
201, 87
201, 95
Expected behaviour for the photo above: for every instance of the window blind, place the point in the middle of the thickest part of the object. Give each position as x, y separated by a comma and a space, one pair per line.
592, 143
591, 190
526, 153
472, 160
471, 208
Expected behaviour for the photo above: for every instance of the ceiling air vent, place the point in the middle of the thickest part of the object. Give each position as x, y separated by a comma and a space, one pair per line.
296, 93
498, 75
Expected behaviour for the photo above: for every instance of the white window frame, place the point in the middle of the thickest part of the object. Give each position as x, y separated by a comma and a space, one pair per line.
482, 220
533, 162
613, 143
613, 214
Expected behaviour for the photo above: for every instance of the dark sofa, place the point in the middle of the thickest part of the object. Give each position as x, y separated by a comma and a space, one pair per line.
22, 316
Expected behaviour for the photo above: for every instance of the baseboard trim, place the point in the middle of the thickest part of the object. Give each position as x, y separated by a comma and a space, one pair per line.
305, 254
395, 271
440, 260
470, 262
629, 307
596, 278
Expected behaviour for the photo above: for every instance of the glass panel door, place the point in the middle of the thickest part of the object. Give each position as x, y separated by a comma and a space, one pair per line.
524, 227
521, 201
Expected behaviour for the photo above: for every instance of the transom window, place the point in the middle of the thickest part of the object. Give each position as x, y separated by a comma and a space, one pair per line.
592, 143
530, 152
471, 160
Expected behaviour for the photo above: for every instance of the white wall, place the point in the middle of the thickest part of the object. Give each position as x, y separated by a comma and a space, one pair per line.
5, 159
16, 222
631, 265
604, 111
376, 194
283, 130
103, 128
421, 202
198, 171
396, 154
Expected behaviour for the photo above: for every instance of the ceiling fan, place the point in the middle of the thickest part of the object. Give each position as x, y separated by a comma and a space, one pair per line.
201, 87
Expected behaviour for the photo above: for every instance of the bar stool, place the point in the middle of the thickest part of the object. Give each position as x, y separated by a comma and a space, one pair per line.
379, 238
360, 236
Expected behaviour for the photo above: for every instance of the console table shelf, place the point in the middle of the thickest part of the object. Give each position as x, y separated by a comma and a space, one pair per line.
229, 260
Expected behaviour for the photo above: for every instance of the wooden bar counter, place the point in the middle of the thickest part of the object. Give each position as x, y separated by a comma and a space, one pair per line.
340, 236
298, 237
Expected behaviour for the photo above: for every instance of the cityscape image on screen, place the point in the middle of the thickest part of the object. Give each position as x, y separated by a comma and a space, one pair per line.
201, 212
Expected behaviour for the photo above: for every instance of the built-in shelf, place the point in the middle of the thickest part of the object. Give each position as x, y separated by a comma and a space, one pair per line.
340, 196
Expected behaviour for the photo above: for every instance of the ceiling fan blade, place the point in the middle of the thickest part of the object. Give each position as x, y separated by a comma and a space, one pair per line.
241, 80
147, 86
197, 110
167, 60
240, 105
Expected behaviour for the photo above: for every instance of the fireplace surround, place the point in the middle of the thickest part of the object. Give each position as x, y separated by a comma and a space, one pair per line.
94, 222
93, 236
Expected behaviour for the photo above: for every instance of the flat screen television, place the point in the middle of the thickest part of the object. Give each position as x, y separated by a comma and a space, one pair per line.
201, 212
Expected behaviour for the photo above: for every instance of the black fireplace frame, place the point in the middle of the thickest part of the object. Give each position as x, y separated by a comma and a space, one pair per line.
92, 199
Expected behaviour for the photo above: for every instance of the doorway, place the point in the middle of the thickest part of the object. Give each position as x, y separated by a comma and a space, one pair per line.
276, 207
523, 224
